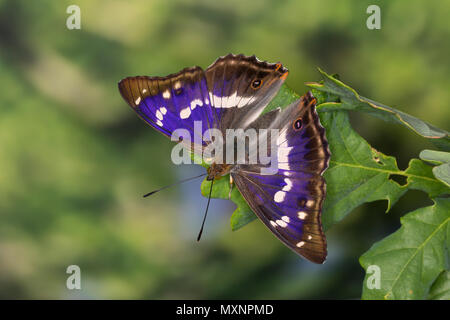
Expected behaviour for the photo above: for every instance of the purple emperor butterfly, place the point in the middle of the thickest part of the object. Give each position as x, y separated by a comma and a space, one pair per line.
232, 94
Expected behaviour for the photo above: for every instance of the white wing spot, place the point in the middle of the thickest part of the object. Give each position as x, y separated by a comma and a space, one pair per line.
244, 101
309, 237
166, 94
302, 215
279, 196
286, 219
309, 203
288, 185
159, 115
144, 90
300, 244
177, 85
159, 123
196, 103
281, 223
232, 100
163, 110
185, 113
138, 100
283, 154
273, 223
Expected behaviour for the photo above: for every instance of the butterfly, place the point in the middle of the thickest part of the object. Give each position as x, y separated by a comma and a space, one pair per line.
232, 93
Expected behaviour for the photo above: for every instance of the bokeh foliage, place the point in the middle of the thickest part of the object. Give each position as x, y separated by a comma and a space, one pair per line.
75, 160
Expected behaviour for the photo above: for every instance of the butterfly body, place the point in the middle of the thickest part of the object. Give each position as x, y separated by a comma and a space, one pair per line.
232, 94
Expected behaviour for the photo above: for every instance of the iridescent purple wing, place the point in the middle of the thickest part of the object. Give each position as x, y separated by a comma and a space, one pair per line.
241, 87
172, 102
289, 202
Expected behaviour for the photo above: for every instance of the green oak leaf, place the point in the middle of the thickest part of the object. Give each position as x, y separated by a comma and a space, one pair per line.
411, 259
351, 100
357, 172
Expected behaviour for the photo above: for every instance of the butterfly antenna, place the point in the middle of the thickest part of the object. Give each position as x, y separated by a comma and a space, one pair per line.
206, 212
178, 182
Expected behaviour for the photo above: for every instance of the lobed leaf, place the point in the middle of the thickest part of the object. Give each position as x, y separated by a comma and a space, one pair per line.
412, 258
357, 172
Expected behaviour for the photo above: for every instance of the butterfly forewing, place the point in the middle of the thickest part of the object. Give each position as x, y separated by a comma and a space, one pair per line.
172, 102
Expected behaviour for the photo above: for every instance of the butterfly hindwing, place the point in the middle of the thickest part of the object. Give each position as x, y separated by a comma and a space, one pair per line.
289, 202
289, 210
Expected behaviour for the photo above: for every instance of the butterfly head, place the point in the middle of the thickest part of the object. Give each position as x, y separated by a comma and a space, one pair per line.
216, 171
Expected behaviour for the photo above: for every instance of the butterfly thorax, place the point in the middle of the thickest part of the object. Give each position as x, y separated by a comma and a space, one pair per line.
215, 171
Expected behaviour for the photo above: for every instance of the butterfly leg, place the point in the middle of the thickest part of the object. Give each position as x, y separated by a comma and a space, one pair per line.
231, 187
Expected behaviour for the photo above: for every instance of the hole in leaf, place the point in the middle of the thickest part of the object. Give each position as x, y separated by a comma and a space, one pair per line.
377, 160
400, 179
375, 157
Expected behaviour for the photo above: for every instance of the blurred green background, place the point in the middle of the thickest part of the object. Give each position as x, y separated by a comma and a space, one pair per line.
75, 160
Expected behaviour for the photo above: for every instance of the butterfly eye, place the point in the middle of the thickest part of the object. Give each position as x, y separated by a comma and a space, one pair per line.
256, 84
298, 124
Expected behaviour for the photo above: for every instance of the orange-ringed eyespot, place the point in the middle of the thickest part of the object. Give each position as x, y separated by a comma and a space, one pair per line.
256, 84
298, 124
